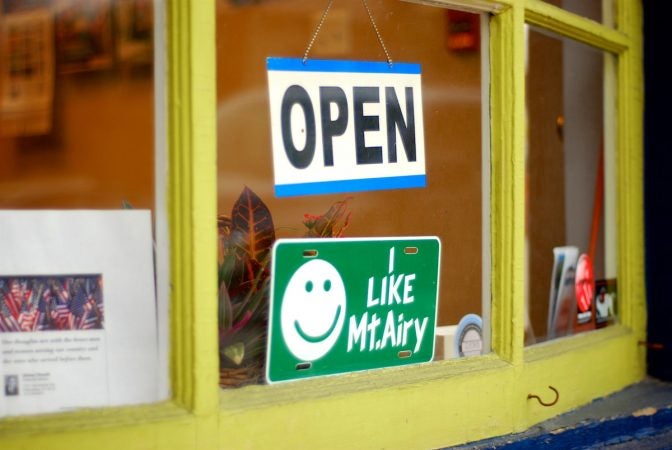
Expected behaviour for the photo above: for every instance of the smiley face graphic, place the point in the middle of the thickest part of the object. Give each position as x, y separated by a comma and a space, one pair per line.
313, 310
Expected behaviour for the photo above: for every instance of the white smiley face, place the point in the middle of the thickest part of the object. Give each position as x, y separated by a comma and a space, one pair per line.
313, 310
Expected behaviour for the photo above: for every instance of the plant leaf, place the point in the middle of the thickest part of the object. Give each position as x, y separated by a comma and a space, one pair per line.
252, 230
225, 309
235, 352
248, 245
252, 336
330, 224
223, 232
254, 306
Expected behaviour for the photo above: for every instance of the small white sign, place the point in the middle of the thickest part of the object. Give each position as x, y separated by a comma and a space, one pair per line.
77, 310
345, 126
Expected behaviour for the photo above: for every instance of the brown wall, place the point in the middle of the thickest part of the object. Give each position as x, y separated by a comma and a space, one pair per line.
100, 150
545, 211
449, 207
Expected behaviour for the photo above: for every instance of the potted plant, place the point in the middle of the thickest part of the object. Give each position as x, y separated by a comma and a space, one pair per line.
245, 241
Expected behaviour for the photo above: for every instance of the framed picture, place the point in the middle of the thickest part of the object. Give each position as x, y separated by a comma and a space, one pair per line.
27, 75
84, 35
11, 6
134, 31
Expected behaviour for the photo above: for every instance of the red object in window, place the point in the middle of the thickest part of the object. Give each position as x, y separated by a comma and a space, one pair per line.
585, 283
464, 31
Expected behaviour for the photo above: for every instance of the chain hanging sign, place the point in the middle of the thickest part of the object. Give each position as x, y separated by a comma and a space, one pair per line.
345, 126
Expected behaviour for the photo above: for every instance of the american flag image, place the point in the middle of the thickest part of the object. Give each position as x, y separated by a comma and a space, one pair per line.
8, 323
11, 298
46, 303
29, 319
61, 317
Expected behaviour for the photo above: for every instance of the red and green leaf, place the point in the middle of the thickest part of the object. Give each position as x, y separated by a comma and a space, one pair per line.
333, 223
252, 230
244, 252
247, 240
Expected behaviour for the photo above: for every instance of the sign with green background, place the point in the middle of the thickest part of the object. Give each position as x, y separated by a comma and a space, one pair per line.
345, 305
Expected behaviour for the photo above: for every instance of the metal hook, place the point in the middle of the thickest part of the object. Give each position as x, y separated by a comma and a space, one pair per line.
557, 397
652, 345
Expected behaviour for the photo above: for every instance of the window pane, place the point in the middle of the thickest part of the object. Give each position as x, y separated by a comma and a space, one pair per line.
569, 193
446, 44
76, 147
598, 10
76, 129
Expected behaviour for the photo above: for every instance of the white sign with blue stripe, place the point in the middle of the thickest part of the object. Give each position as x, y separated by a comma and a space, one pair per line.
345, 126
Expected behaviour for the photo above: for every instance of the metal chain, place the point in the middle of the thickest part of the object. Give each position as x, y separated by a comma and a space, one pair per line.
375, 28
317, 30
324, 18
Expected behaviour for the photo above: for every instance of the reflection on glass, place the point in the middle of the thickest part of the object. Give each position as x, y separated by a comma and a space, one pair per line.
447, 47
597, 10
77, 132
76, 104
571, 284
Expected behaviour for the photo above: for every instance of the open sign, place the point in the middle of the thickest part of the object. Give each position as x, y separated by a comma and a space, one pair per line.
345, 126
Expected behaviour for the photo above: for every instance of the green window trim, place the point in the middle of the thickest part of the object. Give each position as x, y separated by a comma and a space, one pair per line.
432, 405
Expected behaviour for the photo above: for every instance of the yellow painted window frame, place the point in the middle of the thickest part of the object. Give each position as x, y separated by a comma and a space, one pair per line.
429, 406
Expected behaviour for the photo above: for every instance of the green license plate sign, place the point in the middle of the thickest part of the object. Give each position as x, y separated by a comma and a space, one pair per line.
345, 305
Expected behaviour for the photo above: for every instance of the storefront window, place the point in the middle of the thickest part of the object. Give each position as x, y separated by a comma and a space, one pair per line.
571, 268
78, 206
226, 132
447, 45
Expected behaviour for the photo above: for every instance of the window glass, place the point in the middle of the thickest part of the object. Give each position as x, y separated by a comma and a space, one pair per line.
447, 45
571, 273
77, 147
598, 10
76, 129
